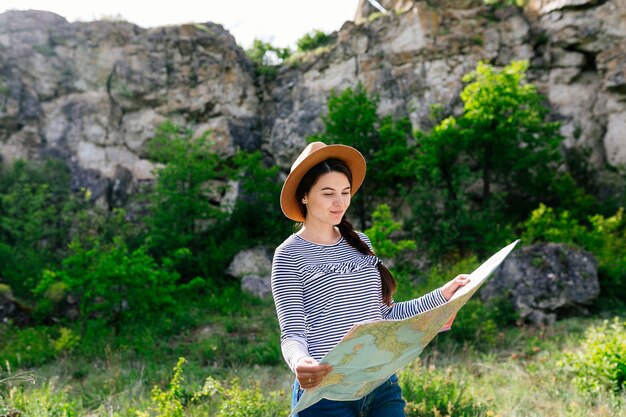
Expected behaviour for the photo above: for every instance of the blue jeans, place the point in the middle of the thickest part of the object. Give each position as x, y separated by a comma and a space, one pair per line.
384, 401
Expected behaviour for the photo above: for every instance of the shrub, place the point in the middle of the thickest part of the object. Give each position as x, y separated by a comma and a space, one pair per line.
224, 401
383, 226
485, 170
313, 40
113, 282
45, 400
267, 57
35, 218
235, 401
33, 346
430, 392
188, 208
600, 365
605, 237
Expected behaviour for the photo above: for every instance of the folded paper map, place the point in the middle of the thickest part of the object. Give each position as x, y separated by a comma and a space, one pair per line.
373, 351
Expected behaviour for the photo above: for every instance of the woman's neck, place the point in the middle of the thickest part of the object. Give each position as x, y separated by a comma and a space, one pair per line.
321, 235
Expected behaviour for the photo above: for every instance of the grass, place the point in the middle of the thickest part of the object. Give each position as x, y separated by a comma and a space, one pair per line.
521, 372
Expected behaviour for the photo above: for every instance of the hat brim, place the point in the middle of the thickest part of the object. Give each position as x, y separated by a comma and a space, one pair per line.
350, 156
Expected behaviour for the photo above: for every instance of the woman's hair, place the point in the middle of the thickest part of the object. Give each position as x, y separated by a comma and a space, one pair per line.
345, 227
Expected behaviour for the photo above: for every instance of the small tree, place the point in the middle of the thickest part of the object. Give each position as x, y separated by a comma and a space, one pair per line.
482, 173
35, 219
186, 200
509, 140
380, 234
188, 209
384, 142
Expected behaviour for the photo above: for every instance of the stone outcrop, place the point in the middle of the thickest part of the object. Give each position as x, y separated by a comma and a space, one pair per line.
545, 281
94, 93
254, 267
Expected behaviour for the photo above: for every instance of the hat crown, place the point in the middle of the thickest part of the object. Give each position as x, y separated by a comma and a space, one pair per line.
311, 148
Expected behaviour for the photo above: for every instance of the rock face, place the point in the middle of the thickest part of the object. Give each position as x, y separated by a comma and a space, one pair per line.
544, 281
254, 267
94, 93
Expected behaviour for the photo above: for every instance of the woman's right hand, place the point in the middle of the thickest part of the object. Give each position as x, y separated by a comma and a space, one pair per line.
310, 373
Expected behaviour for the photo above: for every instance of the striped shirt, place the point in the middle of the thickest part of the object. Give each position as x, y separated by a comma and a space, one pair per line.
321, 291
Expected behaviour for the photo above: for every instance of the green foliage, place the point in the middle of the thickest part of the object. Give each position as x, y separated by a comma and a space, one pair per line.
183, 204
482, 172
500, 3
33, 346
430, 392
257, 217
167, 403
383, 227
243, 332
384, 142
41, 401
226, 401
236, 401
189, 208
508, 136
605, 237
267, 57
313, 40
481, 323
35, 218
113, 282
601, 363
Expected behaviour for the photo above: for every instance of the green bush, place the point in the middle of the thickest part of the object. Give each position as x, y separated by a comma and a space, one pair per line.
313, 40
600, 365
114, 283
235, 401
35, 218
383, 227
605, 237
430, 392
267, 57
188, 209
214, 398
34, 346
46, 400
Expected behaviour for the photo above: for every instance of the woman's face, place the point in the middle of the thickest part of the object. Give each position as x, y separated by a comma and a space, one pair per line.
328, 199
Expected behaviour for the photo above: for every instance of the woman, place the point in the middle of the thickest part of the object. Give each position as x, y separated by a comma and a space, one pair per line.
326, 278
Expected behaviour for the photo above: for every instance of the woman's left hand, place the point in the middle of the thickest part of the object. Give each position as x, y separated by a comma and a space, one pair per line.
450, 287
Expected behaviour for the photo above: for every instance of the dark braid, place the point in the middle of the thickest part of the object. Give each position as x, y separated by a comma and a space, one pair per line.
387, 280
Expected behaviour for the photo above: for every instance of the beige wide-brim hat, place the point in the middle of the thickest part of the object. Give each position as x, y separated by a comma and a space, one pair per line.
312, 155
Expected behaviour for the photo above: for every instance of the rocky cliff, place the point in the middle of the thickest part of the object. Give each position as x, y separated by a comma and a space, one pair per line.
93, 93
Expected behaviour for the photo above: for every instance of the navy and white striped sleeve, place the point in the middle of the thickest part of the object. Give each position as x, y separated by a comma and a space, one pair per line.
406, 309
288, 297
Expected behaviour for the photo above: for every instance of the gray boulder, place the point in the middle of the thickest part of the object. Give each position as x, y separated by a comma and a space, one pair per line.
545, 281
254, 267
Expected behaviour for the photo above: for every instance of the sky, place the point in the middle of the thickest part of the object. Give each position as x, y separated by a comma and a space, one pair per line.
280, 22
